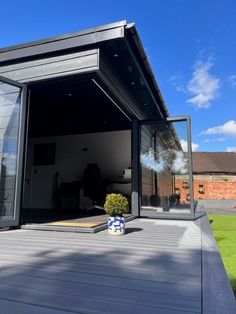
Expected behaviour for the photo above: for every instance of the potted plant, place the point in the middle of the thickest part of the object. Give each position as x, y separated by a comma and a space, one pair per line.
115, 206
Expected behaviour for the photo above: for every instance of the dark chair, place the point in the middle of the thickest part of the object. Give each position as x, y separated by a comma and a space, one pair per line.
69, 195
92, 183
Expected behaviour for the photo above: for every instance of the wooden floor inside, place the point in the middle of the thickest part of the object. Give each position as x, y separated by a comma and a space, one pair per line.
154, 268
87, 224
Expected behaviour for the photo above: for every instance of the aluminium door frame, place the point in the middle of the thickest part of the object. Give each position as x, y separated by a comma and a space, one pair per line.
137, 198
20, 154
108, 86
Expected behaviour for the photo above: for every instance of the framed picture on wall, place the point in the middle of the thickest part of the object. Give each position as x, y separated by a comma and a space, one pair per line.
44, 154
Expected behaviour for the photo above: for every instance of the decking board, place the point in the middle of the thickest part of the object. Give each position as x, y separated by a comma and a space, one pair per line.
154, 268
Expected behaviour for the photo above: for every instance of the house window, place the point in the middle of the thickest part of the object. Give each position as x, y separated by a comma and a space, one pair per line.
201, 189
177, 191
185, 185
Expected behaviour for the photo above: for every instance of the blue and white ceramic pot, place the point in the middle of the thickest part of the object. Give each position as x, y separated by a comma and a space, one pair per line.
116, 225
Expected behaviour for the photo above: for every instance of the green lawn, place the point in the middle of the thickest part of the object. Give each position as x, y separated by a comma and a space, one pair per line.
224, 228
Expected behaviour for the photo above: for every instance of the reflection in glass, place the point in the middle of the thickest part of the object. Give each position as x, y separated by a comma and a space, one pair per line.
165, 168
10, 100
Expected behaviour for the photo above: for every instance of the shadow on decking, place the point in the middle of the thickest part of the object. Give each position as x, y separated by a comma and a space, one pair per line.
131, 230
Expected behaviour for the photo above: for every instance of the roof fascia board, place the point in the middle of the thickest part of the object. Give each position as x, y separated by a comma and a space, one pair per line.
53, 67
62, 42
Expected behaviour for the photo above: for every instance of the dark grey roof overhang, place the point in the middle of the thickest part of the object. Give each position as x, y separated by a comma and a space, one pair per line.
116, 39
91, 36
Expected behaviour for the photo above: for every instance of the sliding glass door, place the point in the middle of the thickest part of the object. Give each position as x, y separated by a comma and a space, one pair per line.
166, 180
12, 106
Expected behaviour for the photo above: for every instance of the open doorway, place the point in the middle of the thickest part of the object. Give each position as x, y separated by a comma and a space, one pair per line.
78, 149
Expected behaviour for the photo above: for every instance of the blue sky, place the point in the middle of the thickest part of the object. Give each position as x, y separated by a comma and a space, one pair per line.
191, 45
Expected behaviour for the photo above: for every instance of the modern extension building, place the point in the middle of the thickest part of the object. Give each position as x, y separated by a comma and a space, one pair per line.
81, 115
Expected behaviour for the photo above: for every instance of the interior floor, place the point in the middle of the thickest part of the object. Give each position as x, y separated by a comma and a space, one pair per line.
90, 224
52, 215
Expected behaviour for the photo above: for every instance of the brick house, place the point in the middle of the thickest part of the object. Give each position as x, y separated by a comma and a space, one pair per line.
214, 177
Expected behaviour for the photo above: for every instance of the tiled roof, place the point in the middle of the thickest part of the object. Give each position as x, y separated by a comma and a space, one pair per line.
212, 162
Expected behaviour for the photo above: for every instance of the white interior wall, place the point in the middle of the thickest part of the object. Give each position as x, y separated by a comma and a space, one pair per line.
110, 150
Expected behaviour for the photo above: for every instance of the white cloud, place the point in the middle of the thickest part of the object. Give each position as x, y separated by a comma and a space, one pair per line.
148, 160
203, 85
9, 161
195, 147
184, 145
179, 164
231, 149
232, 80
180, 88
164, 159
227, 129
175, 80
219, 139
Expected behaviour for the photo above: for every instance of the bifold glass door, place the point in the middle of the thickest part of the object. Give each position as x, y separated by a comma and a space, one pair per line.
12, 95
166, 169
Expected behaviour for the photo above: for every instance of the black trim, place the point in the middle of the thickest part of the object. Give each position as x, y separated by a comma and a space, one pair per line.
191, 215
14, 221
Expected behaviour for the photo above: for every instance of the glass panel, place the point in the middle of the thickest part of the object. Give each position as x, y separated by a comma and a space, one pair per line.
10, 100
165, 180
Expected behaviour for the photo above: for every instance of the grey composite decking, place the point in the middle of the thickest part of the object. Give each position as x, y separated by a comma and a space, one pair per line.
154, 268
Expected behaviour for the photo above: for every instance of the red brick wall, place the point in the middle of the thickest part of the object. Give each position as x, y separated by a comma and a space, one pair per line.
215, 187
183, 191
